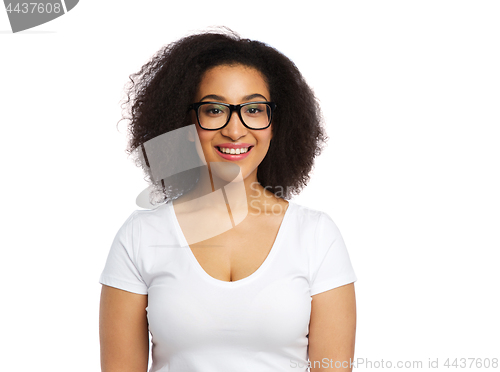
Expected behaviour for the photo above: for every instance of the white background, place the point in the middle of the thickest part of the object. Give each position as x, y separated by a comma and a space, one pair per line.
410, 93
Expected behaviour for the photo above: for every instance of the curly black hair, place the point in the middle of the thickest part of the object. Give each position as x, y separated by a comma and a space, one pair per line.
160, 93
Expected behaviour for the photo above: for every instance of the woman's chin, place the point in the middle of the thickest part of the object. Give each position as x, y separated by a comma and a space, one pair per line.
225, 172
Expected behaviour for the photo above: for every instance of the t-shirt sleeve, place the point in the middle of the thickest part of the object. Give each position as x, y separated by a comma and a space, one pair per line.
330, 263
120, 270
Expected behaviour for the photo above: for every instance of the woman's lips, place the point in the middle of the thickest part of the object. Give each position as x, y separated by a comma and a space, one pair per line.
233, 157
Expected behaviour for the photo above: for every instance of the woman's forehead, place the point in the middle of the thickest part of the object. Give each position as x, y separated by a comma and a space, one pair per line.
232, 82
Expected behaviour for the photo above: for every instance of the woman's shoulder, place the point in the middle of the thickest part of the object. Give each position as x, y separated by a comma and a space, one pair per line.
308, 214
316, 221
154, 216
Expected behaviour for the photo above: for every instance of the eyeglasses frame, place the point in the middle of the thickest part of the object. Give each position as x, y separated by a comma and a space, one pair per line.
232, 108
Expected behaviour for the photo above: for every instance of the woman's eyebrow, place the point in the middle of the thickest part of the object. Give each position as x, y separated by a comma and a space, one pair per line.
252, 96
214, 97
222, 99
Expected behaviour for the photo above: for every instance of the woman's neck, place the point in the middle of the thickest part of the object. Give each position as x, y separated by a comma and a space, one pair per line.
214, 192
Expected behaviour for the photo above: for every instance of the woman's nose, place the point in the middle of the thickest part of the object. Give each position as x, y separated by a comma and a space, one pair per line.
235, 128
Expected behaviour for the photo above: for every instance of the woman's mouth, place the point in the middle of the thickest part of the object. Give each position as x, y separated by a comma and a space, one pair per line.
230, 153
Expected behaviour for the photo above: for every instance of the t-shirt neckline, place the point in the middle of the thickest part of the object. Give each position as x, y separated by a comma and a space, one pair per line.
256, 273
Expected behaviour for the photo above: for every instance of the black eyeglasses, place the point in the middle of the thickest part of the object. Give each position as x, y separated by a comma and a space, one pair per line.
216, 115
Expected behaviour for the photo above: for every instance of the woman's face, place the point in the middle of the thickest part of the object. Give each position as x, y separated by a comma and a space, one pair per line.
234, 85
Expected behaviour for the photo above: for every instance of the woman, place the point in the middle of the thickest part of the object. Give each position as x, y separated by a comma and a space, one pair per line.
226, 274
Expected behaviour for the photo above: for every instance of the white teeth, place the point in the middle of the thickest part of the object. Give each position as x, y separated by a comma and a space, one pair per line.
234, 151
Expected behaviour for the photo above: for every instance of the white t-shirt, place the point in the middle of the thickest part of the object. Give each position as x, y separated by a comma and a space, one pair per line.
202, 324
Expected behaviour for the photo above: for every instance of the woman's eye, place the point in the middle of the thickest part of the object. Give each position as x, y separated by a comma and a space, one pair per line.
253, 110
214, 110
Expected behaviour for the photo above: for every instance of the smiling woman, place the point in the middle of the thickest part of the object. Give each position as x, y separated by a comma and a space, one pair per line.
232, 84
270, 291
